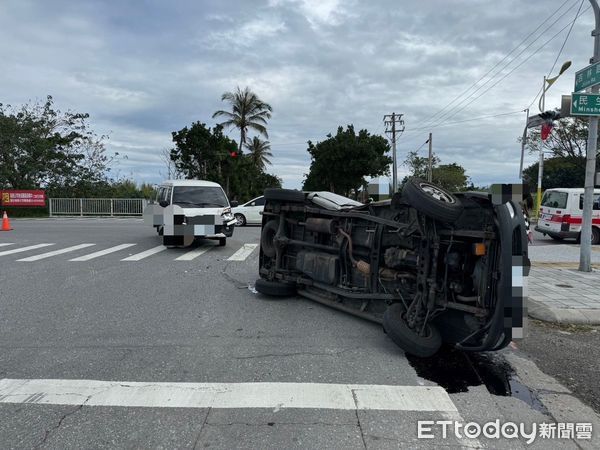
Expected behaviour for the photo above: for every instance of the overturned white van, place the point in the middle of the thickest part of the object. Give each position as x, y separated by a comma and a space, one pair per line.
189, 209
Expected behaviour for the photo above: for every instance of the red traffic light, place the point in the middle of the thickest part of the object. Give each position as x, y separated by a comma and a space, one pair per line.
233, 154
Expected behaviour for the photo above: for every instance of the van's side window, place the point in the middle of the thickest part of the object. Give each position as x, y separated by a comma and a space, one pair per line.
596, 202
167, 195
159, 194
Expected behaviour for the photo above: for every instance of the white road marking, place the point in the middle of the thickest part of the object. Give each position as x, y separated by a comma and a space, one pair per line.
226, 395
23, 249
5, 244
107, 251
192, 254
243, 252
145, 254
54, 253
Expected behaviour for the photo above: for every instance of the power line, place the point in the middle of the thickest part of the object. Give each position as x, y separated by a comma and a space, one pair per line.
491, 116
559, 53
470, 99
430, 119
507, 74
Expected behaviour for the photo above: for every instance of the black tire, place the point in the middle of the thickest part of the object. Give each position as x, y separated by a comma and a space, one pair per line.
557, 238
405, 338
222, 242
275, 288
267, 236
595, 236
241, 220
417, 194
284, 195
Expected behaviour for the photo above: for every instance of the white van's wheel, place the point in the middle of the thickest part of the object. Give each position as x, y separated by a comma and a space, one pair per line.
595, 236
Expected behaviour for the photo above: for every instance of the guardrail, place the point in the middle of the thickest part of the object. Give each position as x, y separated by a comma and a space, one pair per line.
96, 206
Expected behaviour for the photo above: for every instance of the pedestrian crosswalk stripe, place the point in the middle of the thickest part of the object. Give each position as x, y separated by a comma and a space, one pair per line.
23, 249
145, 254
54, 253
226, 395
193, 254
5, 244
243, 252
107, 251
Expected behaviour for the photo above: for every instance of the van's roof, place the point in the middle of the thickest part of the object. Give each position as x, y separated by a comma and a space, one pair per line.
189, 183
572, 190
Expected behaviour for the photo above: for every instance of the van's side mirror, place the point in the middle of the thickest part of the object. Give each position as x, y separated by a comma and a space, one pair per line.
234, 203
163, 203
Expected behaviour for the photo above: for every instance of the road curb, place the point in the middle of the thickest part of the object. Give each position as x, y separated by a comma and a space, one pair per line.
538, 310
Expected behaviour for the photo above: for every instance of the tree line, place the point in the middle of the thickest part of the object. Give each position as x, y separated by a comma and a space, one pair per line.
240, 167
44, 148
565, 152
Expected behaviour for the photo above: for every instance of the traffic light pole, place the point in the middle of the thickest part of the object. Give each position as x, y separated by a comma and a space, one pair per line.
585, 255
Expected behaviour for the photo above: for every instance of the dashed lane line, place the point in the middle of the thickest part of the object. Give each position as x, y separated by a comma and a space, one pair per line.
243, 252
145, 254
4, 244
189, 256
54, 253
23, 249
107, 251
226, 395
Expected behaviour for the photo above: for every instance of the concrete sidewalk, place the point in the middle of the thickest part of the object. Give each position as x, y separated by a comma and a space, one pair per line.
559, 293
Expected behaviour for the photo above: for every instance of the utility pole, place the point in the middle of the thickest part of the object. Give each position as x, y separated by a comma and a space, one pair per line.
541, 159
585, 255
394, 125
523, 143
430, 163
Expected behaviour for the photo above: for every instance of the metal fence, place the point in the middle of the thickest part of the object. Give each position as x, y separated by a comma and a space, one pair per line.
96, 206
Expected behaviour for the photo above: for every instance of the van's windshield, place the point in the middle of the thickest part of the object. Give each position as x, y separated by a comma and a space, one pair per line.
555, 199
200, 196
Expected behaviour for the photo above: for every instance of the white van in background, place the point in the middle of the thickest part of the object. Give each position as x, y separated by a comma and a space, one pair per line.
561, 214
187, 209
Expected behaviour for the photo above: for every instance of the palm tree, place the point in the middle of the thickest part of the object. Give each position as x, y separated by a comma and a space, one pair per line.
248, 111
259, 152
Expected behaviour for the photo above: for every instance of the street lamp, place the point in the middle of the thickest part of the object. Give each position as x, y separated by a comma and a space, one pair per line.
542, 105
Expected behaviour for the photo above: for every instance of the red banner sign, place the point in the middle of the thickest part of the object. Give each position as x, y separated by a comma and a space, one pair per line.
22, 198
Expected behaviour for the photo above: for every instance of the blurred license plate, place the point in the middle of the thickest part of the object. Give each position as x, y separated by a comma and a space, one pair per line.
546, 216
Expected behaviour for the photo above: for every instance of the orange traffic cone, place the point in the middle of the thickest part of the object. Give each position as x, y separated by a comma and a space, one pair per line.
5, 223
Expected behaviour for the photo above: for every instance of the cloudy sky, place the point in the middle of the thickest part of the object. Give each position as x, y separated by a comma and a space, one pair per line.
142, 69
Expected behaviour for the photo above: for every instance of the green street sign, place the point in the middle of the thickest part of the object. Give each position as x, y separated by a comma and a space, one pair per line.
585, 104
588, 77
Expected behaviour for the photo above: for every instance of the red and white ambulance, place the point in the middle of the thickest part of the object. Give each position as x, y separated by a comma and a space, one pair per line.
561, 214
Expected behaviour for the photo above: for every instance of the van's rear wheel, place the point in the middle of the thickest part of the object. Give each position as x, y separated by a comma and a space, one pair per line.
432, 200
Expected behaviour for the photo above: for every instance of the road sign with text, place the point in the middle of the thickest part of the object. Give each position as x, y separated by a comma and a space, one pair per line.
585, 104
588, 77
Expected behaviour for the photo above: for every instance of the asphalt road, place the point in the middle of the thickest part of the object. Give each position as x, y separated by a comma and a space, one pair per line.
148, 337
569, 353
